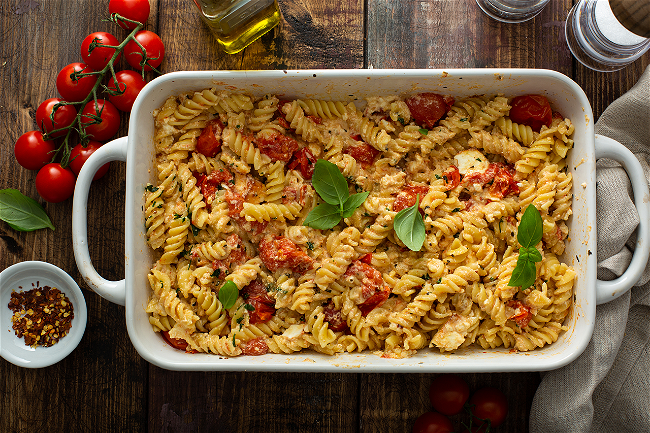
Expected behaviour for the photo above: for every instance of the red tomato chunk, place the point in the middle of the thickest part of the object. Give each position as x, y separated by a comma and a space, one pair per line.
209, 142
255, 347
531, 110
334, 318
374, 291
451, 177
407, 196
305, 161
263, 304
277, 146
522, 314
363, 153
428, 108
498, 176
280, 252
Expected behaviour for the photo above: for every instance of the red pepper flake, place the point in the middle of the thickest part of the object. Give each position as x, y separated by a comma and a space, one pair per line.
42, 316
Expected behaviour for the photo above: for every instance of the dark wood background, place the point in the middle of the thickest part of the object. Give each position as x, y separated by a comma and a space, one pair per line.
104, 386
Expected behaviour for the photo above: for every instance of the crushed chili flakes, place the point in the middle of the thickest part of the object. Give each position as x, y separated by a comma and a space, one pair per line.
42, 316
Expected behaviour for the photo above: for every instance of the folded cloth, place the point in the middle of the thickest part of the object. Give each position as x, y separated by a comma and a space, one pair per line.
607, 389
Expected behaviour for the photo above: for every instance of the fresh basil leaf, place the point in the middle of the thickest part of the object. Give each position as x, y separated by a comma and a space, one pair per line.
22, 213
409, 226
529, 232
524, 274
353, 202
323, 217
228, 294
534, 255
329, 183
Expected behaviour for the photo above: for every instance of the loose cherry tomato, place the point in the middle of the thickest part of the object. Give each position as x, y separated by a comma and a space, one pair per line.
33, 151
79, 155
428, 108
278, 147
531, 110
489, 404
109, 123
131, 83
176, 343
432, 422
136, 10
363, 153
55, 183
448, 394
209, 142
98, 57
152, 44
75, 90
63, 116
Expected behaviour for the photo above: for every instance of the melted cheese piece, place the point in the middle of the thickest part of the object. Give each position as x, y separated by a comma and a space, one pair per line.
470, 161
294, 331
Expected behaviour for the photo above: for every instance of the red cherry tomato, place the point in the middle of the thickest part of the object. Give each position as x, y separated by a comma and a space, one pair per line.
136, 10
109, 122
531, 110
490, 403
131, 83
98, 57
448, 394
428, 108
63, 116
432, 422
152, 44
80, 154
209, 142
75, 90
55, 183
33, 151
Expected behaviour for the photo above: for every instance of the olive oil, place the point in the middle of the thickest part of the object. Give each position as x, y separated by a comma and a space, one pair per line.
237, 23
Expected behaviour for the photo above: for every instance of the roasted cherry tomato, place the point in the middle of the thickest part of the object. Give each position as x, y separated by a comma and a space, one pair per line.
108, 116
374, 291
304, 160
277, 146
263, 304
334, 318
408, 195
176, 343
255, 347
130, 83
428, 108
531, 110
489, 404
432, 422
33, 151
363, 153
448, 394
280, 252
75, 90
50, 117
209, 142
55, 183
136, 10
80, 154
98, 57
152, 44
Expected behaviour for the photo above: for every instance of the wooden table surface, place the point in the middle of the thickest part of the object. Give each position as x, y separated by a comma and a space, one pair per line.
104, 385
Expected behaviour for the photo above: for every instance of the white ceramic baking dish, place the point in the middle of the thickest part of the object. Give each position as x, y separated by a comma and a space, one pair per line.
565, 96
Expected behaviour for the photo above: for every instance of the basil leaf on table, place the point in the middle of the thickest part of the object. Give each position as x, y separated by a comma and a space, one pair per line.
323, 217
353, 202
22, 213
329, 183
228, 294
409, 226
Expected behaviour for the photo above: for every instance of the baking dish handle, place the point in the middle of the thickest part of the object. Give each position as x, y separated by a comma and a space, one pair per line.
114, 291
609, 290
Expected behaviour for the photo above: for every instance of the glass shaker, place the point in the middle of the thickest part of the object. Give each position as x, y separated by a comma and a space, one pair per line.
237, 23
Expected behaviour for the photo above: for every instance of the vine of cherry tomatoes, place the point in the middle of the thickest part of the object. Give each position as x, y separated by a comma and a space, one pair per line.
88, 111
449, 394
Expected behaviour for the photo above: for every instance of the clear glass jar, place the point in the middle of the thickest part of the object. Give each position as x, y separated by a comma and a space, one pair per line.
237, 23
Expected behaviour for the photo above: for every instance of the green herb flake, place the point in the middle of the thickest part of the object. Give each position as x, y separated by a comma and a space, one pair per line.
424, 131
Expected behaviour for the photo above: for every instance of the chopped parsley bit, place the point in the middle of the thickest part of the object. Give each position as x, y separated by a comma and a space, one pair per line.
478, 159
216, 273
357, 188
310, 246
424, 131
400, 120
366, 214
249, 307
457, 209
438, 176
426, 277
240, 319
151, 188
439, 281
464, 119
456, 235
177, 216
195, 230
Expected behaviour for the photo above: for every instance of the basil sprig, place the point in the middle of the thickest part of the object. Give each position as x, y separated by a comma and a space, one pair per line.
409, 226
22, 213
228, 294
529, 234
332, 187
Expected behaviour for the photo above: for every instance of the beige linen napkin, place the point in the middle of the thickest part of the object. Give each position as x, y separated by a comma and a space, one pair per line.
607, 389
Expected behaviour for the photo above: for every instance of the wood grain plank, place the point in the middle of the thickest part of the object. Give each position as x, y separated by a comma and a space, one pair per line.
312, 34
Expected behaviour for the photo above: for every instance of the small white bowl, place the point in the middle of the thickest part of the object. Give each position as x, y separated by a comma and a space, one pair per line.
22, 277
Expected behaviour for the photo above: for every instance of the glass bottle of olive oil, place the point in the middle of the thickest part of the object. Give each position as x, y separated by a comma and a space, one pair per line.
237, 23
